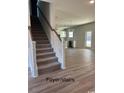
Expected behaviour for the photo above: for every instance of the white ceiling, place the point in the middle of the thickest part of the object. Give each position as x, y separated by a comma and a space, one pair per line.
74, 12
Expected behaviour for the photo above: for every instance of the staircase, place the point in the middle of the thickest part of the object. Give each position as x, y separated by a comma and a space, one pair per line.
46, 60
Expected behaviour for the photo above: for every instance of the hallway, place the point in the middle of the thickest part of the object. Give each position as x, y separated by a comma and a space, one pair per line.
80, 70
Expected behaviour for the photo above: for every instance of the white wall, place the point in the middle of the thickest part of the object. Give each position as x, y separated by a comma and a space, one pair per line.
79, 34
45, 8
55, 42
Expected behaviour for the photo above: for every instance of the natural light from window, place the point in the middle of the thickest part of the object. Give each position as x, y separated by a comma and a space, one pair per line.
70, 34
88, 39
62, 34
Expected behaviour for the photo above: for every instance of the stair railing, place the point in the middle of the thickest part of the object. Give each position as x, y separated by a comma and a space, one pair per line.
56, 41
32, 55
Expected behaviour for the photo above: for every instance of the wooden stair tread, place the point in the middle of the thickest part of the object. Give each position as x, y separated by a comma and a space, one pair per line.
42, 40
42, 44
45, 59
43, 48
40, 54
48, 65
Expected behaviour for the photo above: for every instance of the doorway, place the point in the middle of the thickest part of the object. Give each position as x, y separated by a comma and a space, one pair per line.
33, 7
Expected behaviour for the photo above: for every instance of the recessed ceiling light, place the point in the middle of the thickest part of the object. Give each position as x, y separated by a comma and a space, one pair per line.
92, 1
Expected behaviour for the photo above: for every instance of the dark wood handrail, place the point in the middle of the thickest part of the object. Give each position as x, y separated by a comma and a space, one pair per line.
29, 28
43, 15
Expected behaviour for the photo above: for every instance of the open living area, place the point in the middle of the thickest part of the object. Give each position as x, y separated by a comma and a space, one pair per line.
61, 46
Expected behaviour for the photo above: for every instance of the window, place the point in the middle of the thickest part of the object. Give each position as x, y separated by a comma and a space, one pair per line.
63, 34
70, 34
88, 38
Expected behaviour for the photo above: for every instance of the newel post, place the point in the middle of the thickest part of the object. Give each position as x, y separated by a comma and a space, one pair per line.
35, 72
63, 54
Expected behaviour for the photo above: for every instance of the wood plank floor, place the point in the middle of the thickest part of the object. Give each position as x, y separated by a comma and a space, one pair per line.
78, 77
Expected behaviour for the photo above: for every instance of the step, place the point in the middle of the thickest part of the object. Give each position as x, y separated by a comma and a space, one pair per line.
36, 25
40, 38
46, 60
48, 68
39, 35
42, 41
43, 50
43, 45
45, 55
37, 32
36, 29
